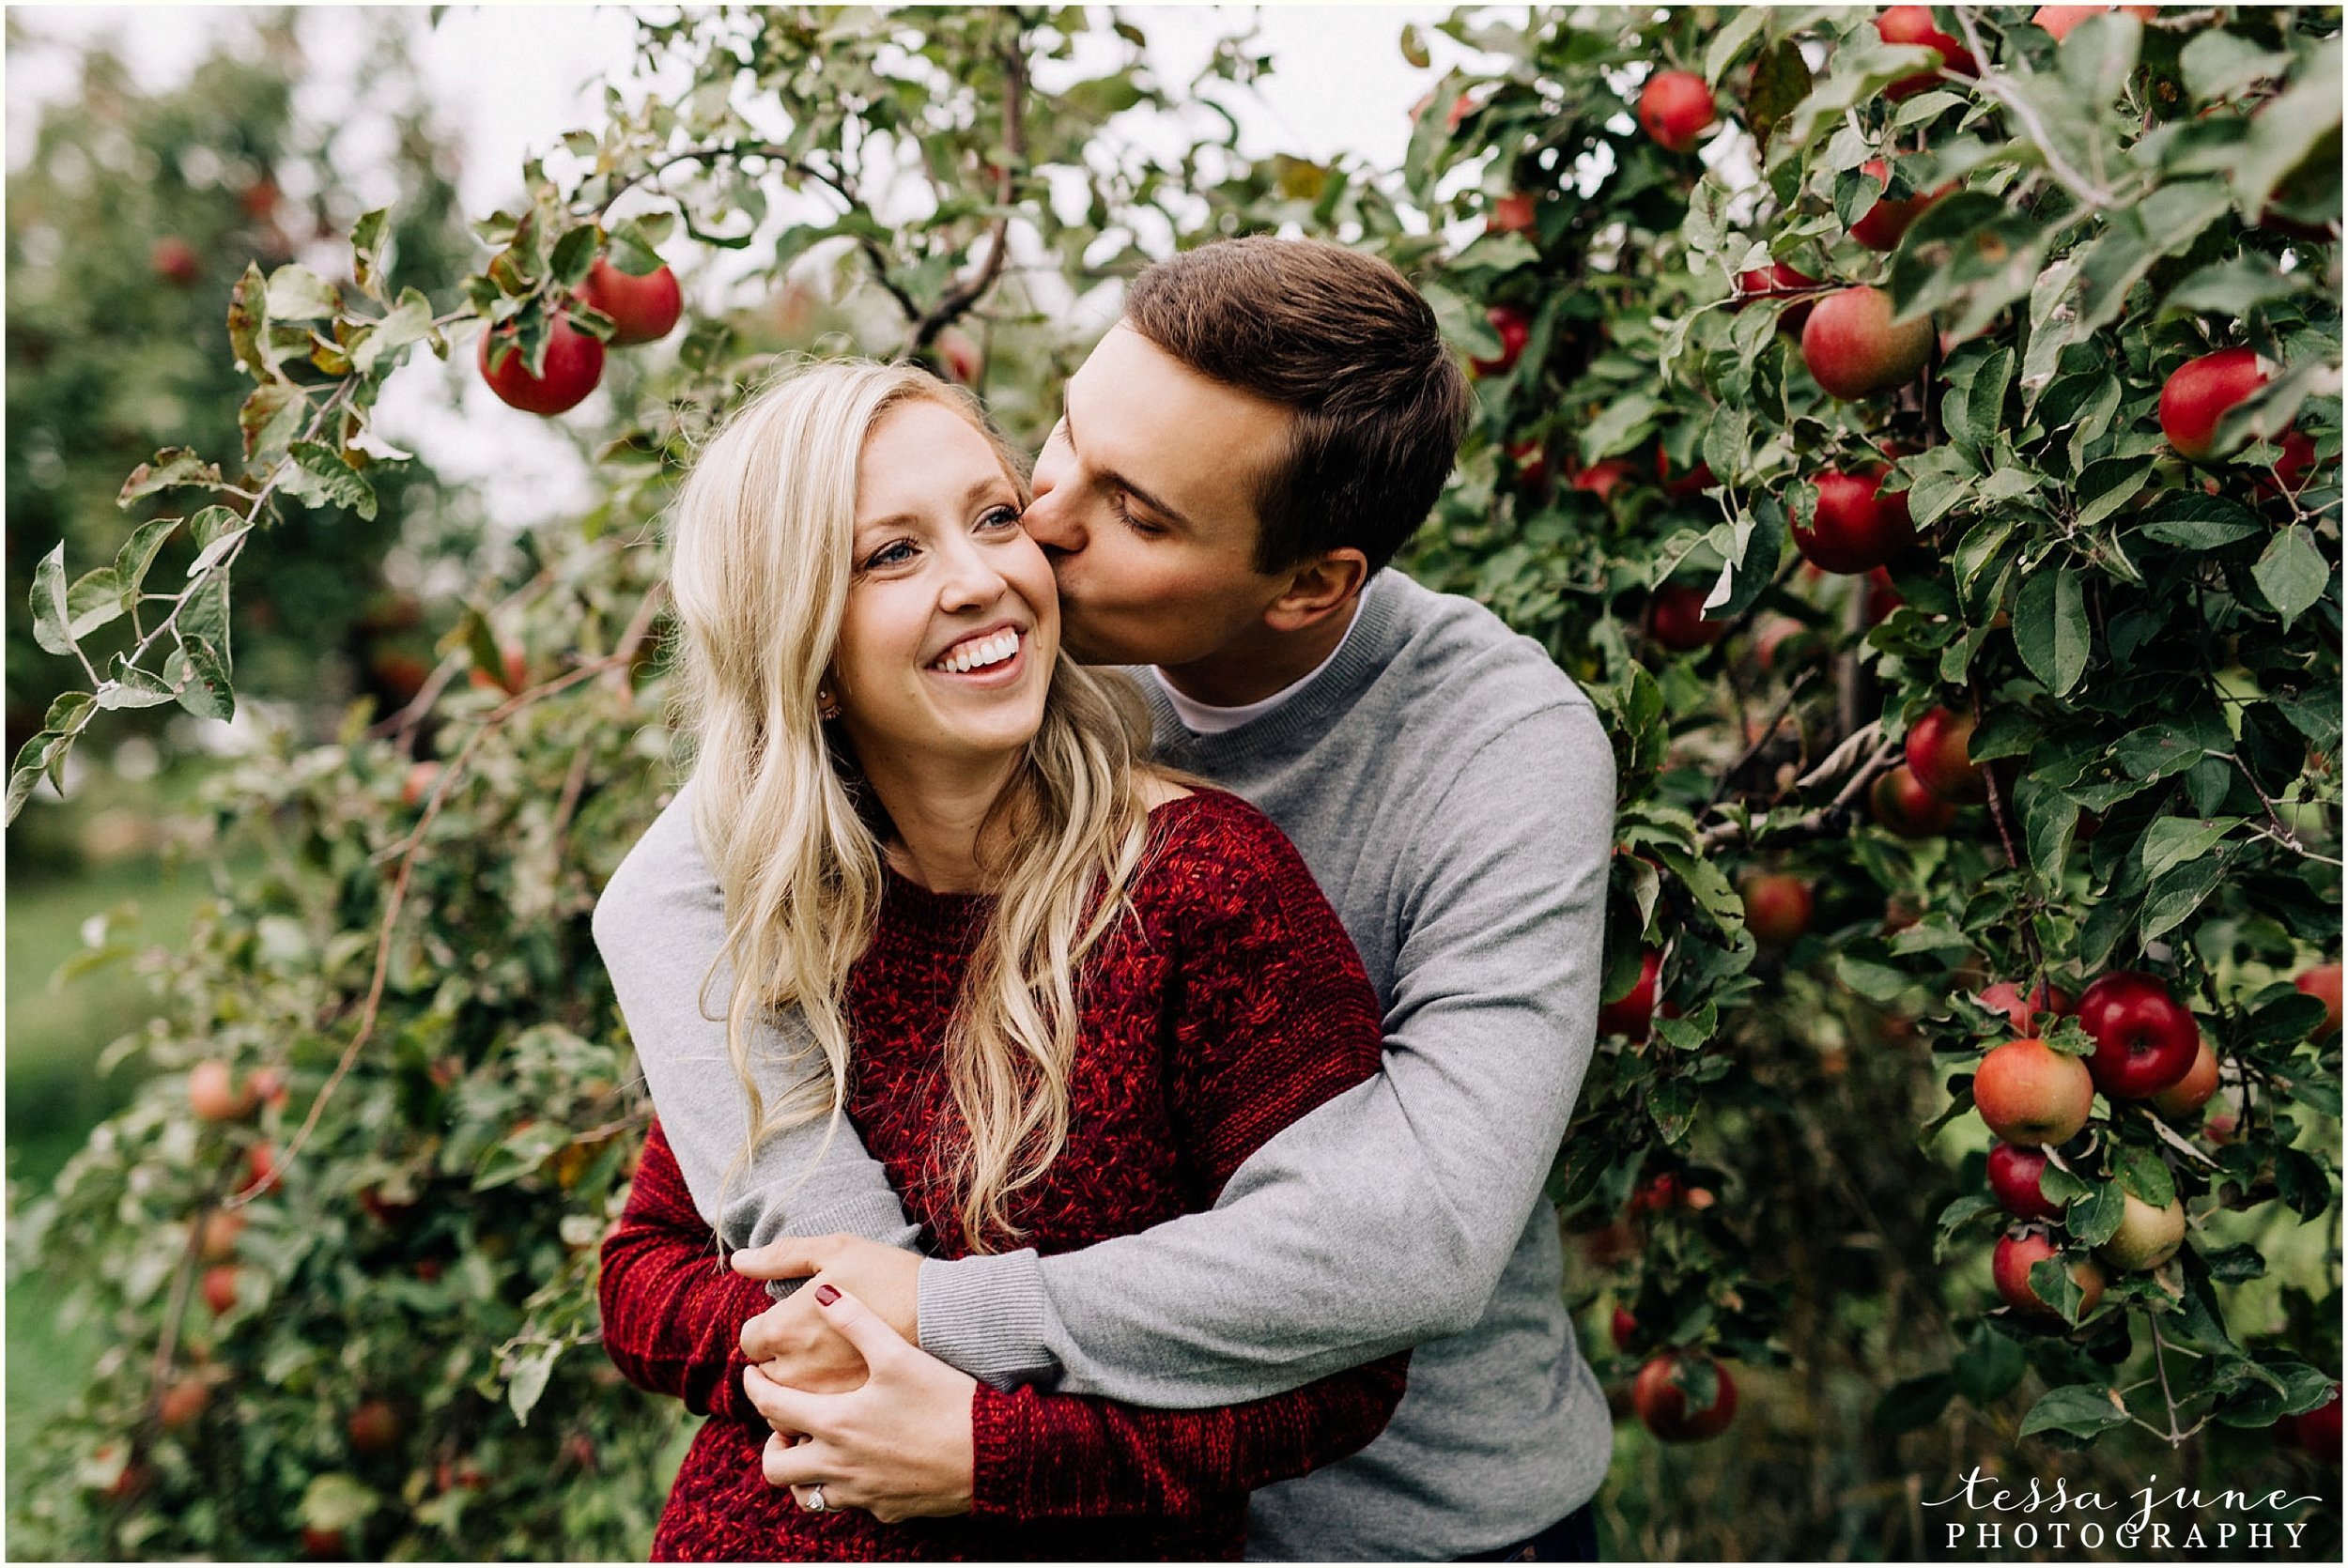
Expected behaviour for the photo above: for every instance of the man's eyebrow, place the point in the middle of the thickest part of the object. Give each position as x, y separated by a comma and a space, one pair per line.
1068, 427
908, 519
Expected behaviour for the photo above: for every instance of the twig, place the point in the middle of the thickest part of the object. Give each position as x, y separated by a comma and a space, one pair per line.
1826, 818
967, 292
1769, 732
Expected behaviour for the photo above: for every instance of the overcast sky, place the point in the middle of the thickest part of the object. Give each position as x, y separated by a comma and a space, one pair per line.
509, 80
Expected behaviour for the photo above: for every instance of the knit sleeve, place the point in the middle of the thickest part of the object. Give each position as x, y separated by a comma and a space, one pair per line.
1043, 1456
672, 1311
1270, 1015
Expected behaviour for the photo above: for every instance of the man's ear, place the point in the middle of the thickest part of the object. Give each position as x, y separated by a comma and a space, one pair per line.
1318, 589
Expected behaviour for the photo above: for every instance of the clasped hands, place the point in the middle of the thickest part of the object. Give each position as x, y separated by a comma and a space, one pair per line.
857, 1407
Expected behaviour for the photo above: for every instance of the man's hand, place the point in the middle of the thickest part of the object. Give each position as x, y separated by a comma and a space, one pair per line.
794, 1341
901, 1446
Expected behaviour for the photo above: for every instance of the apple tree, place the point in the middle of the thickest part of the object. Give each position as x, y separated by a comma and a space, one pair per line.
1920, 430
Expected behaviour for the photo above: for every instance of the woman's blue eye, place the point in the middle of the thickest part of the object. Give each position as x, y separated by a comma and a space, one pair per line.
891, 555
1000, 517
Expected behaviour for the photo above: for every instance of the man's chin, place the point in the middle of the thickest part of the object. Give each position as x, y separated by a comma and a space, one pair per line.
1089, 645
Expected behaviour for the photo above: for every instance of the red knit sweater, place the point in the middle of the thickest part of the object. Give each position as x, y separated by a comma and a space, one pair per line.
1230, 1004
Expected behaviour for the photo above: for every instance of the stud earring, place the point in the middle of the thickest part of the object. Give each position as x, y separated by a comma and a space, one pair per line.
826, 705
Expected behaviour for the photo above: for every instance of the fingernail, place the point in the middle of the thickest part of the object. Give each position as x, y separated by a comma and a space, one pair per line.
826, 1294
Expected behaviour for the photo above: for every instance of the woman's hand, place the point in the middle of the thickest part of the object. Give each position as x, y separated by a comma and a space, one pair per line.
901, 1447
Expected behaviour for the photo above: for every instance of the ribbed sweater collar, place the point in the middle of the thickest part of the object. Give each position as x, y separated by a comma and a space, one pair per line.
1377, 636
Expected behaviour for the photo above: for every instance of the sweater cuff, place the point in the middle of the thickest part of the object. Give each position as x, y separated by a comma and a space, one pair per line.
986, 1314
875, 1216
996, 1440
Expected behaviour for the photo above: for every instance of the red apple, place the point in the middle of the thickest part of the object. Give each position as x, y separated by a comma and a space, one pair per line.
1602, 478
1913, 25
573, 365
1938, 756
1622, 1328
1678, 622
1770, 634
376, 1430
2145, 1038
2147, 1237
182, 1403
1880, 228
1777, 907
1514, 328
212, 1092
2027, 1092
260, 1164
2293, 462
1853, 348
1664, 1405
1776, 281
175, 261
2184, 1099
1675, 108
2014, 1173
2198, 393
2060, 20
1850, 530
2318, 1430
1510, 215
220, 1286
642, 309
419, 782
1906, 808
1884, 598
2009, 1268
322, 1544
221, 1227
2007, 997
1694, 482
2322, 983
1633, 1014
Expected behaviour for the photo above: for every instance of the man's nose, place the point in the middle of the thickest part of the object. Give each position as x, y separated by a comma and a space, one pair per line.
1051, 518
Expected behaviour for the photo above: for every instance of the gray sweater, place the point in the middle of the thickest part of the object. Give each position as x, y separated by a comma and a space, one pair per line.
1453, 793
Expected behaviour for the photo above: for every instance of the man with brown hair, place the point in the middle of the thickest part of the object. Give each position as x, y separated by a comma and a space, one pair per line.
1237, 460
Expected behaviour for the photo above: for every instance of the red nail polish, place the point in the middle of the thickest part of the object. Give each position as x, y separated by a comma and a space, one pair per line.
826, 1294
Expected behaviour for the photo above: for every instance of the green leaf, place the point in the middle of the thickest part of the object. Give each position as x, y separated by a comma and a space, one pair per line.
2080, 1410
172, 468
337, 481
269, 420
2099, 54
407, 322
2291, 573
575, 254
297, 294
2095, 1219
50, 614
2107, 486
2173, 840
2049, 817
2288, 130
130, 686
1672, 1102
2144, 1175
2050, 629
138, 553
1957, 1213
206, 692
1989, 1366
371, 252
1912, 1403
245, 321
631, 249
1729, 40
2193, 521
2177, 894
93, 601
2217, 64
2233, 287
212, 553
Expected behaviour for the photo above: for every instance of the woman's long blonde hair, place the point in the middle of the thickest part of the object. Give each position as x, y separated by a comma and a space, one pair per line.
762, 535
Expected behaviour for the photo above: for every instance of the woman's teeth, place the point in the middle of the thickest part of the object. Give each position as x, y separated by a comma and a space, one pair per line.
976, 655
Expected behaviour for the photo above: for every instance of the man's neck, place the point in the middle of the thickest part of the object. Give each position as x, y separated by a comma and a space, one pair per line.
1262, 663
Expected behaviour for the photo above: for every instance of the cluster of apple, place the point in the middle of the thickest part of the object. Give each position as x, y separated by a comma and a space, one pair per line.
2148, 1050
642, 310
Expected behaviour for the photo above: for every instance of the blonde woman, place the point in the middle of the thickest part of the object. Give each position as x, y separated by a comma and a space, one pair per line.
1061, 995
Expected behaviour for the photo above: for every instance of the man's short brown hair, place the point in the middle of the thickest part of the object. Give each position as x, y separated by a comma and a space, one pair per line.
1346, 344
